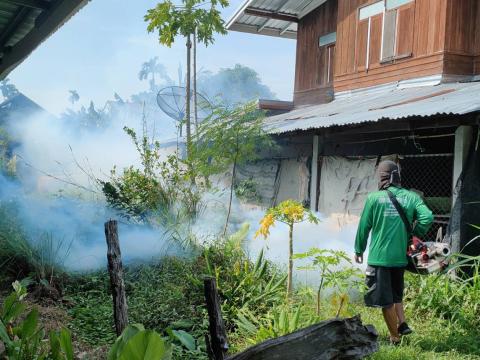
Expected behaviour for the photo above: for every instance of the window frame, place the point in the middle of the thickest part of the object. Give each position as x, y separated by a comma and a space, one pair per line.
390, 59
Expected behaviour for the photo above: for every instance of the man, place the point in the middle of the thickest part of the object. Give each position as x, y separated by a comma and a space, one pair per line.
387, 257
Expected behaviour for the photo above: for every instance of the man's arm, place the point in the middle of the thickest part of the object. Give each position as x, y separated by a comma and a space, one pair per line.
364, 228
423, 217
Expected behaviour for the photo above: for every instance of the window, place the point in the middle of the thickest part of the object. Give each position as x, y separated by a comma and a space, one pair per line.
327, 47
398, 25
384, 32
327, 39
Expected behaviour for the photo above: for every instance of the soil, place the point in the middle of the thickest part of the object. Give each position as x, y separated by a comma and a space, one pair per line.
52, 316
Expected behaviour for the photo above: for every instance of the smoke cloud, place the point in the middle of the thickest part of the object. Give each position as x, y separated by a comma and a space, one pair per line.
54, 191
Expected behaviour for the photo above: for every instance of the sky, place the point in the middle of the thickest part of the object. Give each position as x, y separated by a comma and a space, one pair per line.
101, 49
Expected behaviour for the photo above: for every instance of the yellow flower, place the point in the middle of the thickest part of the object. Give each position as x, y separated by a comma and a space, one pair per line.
265, 224
293, 211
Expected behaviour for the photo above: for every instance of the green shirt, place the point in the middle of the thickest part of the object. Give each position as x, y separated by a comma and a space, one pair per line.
389, 241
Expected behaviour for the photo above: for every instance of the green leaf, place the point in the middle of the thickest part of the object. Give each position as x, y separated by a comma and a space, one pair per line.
66, 343
29, 325
4, 335
54, 346
126, 335
146, 345
185, 338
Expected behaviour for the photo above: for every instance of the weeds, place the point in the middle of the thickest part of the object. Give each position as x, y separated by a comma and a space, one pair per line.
41, 258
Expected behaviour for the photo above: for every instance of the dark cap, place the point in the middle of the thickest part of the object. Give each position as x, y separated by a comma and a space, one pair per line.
388, 174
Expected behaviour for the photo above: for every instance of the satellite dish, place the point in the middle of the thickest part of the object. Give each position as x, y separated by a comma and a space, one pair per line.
173, 102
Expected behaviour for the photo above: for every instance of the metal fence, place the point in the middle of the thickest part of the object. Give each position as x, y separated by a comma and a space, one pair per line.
432, 177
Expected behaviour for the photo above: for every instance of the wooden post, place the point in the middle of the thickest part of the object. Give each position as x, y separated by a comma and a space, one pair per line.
115, 269
218, 334
314, 175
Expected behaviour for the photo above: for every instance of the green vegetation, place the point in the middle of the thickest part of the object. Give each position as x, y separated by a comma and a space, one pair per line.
166, 296
23, 337
289, 212
198, 18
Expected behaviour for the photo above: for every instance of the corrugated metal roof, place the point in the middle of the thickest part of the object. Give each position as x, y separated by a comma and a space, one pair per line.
24, 24
244, 22
374, 105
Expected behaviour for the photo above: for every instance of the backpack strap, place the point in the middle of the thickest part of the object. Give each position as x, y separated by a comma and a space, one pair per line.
401, 212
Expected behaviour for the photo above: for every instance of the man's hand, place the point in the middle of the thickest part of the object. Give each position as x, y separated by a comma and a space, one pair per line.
359, 259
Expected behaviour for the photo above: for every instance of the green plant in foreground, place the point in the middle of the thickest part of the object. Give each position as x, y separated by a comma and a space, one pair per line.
136, 343
335, 271
22, 336
289, 212
243, 284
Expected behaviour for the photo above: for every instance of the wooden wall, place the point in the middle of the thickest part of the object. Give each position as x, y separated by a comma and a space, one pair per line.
427, 45
312, 85
461, 47
477, 41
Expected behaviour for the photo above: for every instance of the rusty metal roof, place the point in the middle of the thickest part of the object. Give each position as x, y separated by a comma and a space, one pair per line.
271, 17
387, 102
24, 24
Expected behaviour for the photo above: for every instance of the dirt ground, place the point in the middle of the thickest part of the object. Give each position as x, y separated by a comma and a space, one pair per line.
53, 317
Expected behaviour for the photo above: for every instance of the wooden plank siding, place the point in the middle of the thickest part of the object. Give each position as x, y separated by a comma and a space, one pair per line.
419, 49
423, 38
462, 48
477, 41
313, 75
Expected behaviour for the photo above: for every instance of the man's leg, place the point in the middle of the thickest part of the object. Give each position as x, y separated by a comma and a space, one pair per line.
400, 313
390, 316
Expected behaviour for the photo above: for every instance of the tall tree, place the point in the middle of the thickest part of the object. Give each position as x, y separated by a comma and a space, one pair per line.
8, 90
150, 68
229, 138
74, 97
170, 20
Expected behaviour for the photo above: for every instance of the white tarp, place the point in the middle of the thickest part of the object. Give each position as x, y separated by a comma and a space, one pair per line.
345, 184
294, 179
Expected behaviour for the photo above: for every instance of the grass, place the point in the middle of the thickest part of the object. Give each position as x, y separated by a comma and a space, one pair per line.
433, 338
168, 293
165, 295
160, 296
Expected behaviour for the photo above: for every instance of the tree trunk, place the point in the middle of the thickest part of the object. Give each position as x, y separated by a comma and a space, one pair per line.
319, 296
232, 188
217, 344
290, 261
328, 340
188, 93
195, 100
115, 269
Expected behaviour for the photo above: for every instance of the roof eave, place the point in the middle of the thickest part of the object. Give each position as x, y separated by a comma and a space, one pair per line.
46, 25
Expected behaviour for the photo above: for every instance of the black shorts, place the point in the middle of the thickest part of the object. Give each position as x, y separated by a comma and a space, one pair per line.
384, 286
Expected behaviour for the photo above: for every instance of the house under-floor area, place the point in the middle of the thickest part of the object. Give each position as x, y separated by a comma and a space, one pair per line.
329, 152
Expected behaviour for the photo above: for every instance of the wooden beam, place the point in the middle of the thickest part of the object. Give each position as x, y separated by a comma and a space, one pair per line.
253, 29
13, 25
279, 9
271, 14
59, 13
33, 4
314, 175
285, 29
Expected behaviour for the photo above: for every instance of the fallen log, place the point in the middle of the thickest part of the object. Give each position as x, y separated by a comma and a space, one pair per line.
327, 340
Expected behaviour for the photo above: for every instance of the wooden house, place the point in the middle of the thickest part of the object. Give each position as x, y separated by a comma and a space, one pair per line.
377, 79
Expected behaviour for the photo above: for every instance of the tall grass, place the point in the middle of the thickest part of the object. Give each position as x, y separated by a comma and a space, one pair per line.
453, 295
40, 257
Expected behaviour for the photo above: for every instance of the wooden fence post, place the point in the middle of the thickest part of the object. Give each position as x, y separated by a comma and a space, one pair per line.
218, 335
115, 269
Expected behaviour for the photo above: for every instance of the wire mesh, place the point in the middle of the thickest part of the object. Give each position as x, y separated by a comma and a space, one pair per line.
432, 177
